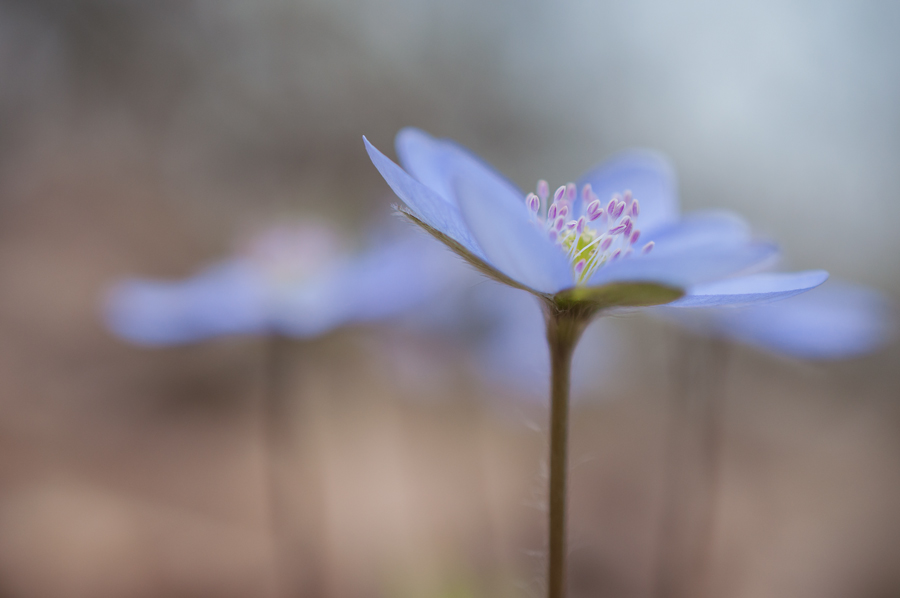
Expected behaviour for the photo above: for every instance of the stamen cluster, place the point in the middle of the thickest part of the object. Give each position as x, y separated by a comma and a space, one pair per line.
599, 235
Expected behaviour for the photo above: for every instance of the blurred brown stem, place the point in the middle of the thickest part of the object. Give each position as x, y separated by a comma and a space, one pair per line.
693, 446
276, 355
713, 423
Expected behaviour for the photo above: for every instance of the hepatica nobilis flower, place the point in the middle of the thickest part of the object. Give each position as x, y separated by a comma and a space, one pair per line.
613, 239
295, 280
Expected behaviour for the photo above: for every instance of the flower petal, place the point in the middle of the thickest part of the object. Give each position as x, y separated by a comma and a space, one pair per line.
229, 298
648, 175
436, 162
381, 283
513, 244
377, 284
426, 204
700, 229
756, 288
831, 322
426, 159
688, 267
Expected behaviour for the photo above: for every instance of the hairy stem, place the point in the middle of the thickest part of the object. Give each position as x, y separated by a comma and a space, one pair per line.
563, 332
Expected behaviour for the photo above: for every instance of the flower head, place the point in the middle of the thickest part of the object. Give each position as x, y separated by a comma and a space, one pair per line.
294, 280
613, 239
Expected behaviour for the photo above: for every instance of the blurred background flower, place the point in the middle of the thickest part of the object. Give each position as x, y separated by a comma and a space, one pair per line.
295, 280
142, 138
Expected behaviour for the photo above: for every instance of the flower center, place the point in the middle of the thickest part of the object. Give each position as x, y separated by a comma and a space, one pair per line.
597, 235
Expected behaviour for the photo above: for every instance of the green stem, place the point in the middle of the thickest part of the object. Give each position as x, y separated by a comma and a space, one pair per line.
563, 331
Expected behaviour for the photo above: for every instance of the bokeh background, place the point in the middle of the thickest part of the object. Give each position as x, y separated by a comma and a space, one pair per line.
144, 138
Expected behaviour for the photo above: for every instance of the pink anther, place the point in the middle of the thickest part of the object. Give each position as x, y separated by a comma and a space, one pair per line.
559, 194
587, 193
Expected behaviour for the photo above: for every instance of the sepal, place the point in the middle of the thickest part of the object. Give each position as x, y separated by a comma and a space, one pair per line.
617, 294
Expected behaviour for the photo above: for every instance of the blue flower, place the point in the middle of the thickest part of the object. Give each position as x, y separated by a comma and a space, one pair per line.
614, 239
297, 281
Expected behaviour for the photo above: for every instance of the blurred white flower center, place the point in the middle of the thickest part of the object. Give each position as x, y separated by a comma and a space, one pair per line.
290, 254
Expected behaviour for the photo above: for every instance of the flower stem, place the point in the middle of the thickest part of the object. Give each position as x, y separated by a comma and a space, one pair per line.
563, 331
271, 407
